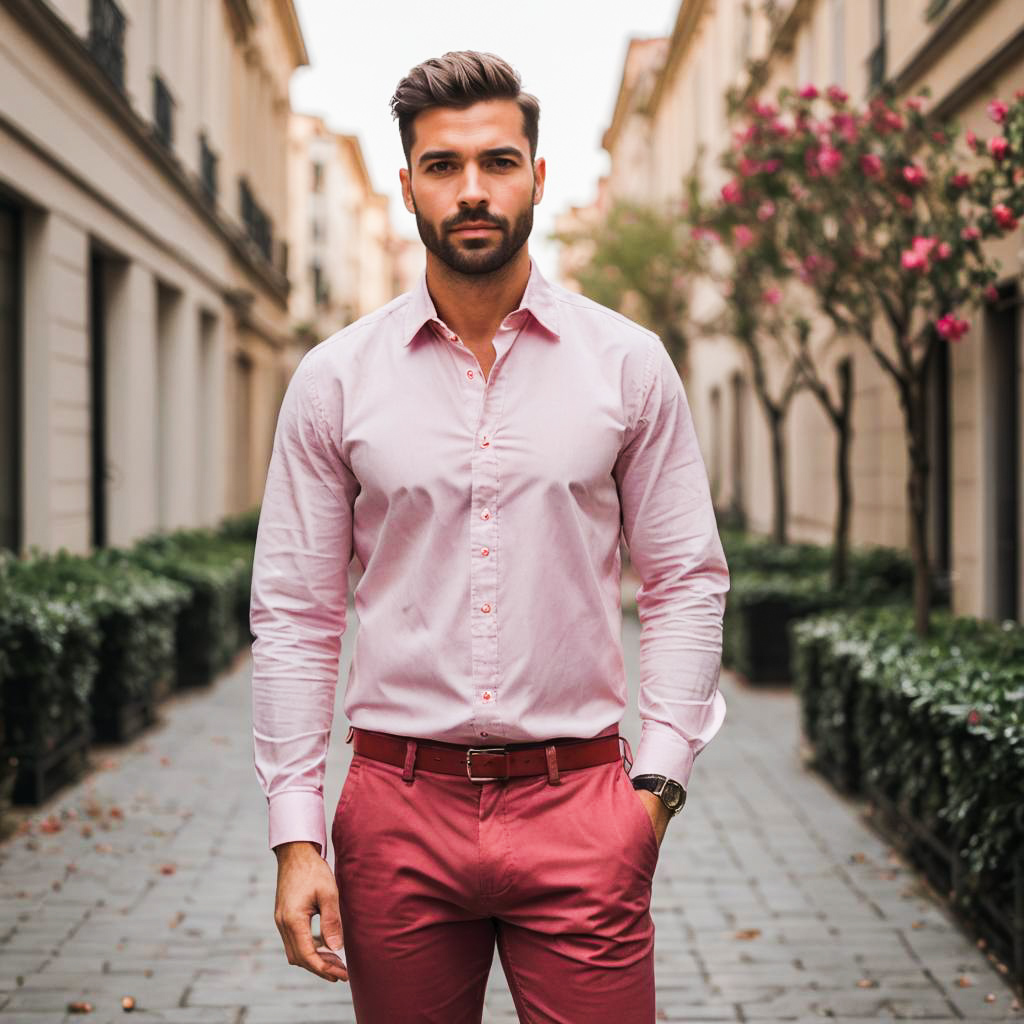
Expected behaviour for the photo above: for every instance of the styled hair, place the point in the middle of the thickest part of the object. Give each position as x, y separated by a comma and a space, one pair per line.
460, 79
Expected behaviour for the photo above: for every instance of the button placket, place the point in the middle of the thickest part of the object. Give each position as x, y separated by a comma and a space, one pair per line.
484, 527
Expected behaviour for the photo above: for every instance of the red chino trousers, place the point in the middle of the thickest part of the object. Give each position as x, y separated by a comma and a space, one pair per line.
432, 872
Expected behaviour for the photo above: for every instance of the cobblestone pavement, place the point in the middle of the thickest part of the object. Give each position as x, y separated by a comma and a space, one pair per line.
772, 901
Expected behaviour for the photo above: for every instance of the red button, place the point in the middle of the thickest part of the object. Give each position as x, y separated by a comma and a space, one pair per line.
486, 514
485, 608
487, 694
469, 374
484, 442
485, 551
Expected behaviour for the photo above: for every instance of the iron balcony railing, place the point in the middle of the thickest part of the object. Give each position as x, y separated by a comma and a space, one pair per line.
106, 38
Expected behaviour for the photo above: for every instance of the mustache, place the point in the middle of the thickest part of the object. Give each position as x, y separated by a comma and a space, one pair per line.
474, 217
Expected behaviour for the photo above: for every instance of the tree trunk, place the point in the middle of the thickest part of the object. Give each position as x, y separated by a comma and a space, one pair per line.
917, 498
844, 491
776, 424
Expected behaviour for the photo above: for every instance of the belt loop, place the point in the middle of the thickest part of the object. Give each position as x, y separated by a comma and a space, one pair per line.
408, 771
628, 754
552, 758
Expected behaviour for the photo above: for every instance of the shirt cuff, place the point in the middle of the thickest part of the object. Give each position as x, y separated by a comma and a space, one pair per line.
298, 816
662, 751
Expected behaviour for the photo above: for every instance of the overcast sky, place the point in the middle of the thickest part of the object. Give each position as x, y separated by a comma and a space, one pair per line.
569, 53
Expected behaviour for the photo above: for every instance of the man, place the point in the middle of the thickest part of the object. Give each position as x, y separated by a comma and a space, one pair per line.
480, 444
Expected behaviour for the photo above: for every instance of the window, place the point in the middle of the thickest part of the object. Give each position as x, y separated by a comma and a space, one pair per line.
163, 112
318, 176
838, 13
207, 168
876, 60
106, 39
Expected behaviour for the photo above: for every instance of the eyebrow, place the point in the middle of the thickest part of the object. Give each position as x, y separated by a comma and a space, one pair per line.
451, 154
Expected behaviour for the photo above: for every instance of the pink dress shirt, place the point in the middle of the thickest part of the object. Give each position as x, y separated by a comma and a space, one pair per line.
486, 514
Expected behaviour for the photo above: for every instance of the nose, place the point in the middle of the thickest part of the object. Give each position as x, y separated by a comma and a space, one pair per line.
472, 191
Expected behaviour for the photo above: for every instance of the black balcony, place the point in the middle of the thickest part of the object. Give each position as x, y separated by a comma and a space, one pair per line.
207, 169
106, 39
255, 221
163, 112
876, 66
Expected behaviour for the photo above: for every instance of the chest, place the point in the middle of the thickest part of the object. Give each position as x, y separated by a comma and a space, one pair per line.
437, 431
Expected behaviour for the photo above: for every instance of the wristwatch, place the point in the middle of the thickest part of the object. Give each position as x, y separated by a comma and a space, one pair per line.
668, 791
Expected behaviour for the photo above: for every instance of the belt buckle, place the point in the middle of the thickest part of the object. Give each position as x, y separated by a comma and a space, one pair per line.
485, 750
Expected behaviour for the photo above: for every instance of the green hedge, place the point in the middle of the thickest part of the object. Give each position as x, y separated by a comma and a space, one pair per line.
934, 726
773, 585
214, 625
135, 611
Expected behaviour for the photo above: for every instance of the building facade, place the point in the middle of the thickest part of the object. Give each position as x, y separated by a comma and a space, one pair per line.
347, 260
145, 336
966, 52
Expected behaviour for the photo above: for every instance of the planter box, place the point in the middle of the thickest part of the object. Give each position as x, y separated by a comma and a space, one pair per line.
41, 772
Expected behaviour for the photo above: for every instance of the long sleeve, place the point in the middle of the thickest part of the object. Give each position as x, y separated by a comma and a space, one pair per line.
298, 611
669, 526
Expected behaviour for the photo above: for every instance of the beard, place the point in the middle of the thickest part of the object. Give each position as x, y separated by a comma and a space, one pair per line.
476, 256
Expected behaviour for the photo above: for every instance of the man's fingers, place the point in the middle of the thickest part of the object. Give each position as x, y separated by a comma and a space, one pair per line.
330, 918
306, 955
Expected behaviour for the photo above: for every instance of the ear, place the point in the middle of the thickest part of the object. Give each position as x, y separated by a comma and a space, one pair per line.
406, 180
540, 170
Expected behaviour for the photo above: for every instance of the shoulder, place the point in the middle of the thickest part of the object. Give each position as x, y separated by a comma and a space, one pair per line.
578, 310
347, 344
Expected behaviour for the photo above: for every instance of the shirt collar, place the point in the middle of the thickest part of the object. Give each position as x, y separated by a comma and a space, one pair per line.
538, 300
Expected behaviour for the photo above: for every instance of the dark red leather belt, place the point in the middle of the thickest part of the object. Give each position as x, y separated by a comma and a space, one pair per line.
487, 764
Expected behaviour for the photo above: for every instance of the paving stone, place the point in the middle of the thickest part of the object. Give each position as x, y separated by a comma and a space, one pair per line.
169, 896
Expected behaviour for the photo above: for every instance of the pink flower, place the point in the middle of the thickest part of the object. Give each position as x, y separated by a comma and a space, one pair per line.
916, 257
943, 251
747, 167
766, 210
997, 110
742, 235
905, 202
952, 329
809, 92
970, 234
871, 165
764, 109
991, 293
913, 175
1004, 216
972, 140
915, 103
961, 180
998, 147
845, 124
770, 166
731, 192
709, 234
836, 95
778, 129
973, 717
829, 160
772, 296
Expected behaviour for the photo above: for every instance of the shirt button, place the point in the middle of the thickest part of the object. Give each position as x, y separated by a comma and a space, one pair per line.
485, 608
484, 442
485, 551
483, 734
487, 694
486, 514
469, 374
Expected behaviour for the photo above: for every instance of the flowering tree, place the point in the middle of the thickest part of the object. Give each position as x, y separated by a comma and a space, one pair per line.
641, 263
876, 212
753, 315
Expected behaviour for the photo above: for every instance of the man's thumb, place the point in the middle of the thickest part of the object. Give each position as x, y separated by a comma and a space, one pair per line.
330, 923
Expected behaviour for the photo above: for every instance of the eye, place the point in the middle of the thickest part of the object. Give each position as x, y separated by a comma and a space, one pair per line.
438, 167
503, 163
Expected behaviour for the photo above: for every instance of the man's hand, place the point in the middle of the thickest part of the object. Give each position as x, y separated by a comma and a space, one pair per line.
660, 815
305, 887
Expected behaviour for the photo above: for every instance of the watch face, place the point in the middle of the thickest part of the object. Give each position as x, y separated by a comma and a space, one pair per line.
673, 795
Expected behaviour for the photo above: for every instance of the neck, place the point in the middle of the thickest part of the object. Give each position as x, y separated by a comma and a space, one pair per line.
473, 305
